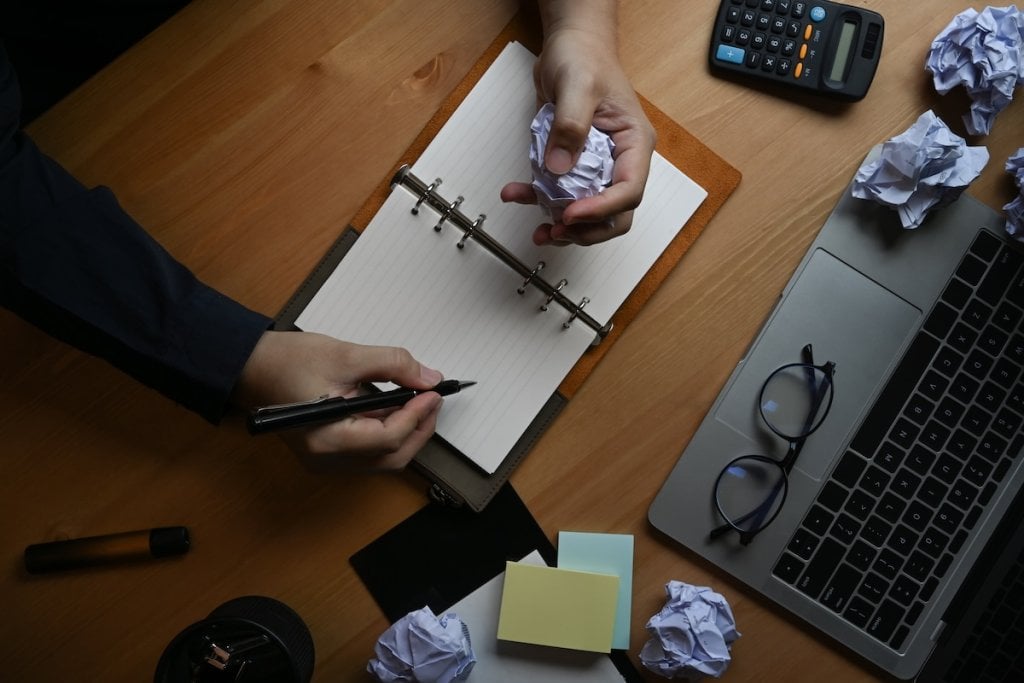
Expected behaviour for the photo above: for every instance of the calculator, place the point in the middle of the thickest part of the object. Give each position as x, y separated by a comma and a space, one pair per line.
820, 46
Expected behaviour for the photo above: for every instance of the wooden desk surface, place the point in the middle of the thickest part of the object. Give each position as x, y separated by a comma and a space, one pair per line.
244, 136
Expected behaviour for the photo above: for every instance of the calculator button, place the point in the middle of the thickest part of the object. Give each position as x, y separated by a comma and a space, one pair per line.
728, 34
758, 41
782, 6
748, 17
817, 13
783, 68
774, 44
764, 22
788, 48
798, 9
793, 29
726, 53
778, 25
767, 5
753, 59
808, 31
743, 36
768, 63
798, 70
732, 15
803, 50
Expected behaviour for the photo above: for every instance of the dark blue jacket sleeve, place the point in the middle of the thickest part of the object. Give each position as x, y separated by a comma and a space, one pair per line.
73, 263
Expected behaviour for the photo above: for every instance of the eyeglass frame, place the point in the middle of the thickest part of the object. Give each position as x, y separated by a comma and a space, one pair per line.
785, 465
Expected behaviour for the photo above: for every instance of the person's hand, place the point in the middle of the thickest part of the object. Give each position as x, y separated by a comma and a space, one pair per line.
286, 367
579, 71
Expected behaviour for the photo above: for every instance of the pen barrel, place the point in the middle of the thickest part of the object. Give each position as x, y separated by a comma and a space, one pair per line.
304, 415
100, 550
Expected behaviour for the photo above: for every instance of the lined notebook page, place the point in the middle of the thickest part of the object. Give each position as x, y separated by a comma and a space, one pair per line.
457, 310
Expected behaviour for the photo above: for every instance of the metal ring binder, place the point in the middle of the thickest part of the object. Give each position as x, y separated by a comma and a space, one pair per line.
454, 206
579, 308
558, 288
536, 269
471, 229
423, 195
427, 195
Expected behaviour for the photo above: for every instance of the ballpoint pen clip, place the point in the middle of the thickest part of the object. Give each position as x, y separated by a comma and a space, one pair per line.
265, 410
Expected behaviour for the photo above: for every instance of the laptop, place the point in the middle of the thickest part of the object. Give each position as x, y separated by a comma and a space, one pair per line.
902, 514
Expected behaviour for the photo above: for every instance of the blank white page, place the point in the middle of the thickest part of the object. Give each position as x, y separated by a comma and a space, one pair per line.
457, 310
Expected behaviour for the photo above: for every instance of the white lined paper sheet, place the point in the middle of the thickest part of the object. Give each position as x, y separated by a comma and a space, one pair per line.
457, 310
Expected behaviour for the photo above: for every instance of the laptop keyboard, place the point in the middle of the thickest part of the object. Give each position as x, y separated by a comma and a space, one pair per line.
992, 654
917, 477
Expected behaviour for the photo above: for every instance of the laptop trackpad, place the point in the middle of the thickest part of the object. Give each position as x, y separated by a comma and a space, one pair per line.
850, 320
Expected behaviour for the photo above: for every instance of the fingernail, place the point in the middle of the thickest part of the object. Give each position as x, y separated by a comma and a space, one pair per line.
429, 375
559, 161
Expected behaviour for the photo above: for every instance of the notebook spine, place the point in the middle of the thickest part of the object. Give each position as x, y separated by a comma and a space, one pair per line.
472, 228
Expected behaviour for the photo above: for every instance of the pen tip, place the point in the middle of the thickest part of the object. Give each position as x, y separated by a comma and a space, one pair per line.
463, 385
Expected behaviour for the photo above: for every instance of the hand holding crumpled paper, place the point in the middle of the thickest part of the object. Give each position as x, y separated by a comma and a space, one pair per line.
423, 648
1015, 209
927, 166
591, 174
984, 52
691, 635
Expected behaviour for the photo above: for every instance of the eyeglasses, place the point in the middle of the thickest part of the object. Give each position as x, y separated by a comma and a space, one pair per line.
751, 489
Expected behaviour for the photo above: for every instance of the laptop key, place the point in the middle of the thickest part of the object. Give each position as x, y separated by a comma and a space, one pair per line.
940, 320
849, 469
985, 246
976, 314
971, 269
840, 587
859, 611
1008, 316
873, 587
820, 569
914, 363
832, 496
1000, 275
788, 568
885, 620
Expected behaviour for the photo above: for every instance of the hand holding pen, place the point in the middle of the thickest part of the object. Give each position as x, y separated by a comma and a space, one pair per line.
288, 367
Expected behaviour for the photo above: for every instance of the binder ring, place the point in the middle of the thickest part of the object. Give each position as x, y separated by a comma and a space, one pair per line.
576, 311
551, 297
426, 193
447, 212
471, 229
533, 273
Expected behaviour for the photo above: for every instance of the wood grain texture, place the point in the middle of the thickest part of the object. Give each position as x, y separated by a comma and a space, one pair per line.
244, 135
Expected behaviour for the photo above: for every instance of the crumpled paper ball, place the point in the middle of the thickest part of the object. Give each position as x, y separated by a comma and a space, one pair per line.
1015, 209
984, 52
928, 166
591, 174
423, 648
691, 635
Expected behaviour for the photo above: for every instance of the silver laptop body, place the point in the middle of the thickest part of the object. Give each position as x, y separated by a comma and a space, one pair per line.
859, 296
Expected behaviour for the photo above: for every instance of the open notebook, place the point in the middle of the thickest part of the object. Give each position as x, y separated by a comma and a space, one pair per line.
459, 309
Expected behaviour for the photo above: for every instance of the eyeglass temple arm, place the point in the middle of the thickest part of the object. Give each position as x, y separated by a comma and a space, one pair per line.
757, 513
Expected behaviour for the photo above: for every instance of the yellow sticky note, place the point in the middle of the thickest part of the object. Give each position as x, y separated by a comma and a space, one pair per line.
558, 607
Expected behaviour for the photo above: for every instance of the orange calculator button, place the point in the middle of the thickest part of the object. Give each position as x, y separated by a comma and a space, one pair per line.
798, 70
803, 50
808, 31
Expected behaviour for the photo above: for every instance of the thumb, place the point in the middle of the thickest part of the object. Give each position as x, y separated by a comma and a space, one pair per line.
393, 364
569, 129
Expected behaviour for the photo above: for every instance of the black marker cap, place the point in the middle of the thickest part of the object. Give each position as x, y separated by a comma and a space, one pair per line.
169, 540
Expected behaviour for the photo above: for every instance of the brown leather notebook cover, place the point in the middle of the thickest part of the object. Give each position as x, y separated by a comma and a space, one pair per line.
456, 480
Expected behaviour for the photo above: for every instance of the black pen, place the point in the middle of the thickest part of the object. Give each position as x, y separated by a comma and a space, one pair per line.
325, 409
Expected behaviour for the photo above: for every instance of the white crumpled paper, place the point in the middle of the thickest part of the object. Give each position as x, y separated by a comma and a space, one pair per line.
1015, 209
984, 52
591, 174
691, 635
423, 648
923, 168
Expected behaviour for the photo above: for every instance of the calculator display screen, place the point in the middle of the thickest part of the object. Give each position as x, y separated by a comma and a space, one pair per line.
843, 51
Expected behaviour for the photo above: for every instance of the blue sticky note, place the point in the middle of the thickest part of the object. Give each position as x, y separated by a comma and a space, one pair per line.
603, 554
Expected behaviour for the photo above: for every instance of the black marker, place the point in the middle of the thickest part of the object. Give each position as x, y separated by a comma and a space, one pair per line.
112, 548
325, 409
